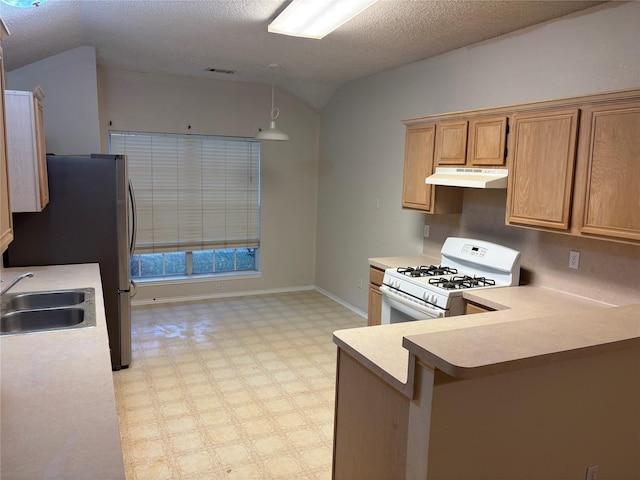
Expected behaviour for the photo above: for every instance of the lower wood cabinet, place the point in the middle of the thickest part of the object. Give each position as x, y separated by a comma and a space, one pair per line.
371, 423
472, 307
375, 297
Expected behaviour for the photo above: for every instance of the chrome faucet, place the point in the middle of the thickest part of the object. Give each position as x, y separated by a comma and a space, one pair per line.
15, 280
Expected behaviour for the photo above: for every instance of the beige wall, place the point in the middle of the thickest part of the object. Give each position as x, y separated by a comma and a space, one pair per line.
362, 146
71, 99
166, 103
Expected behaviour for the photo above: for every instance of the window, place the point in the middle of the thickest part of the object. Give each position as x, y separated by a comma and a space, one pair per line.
197, 202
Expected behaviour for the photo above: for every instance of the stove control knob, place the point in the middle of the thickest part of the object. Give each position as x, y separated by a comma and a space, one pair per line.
434, 298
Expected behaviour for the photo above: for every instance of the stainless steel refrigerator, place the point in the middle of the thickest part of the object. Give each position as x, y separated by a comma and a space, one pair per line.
90, 218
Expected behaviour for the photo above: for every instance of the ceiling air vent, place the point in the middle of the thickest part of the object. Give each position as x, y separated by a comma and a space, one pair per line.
221, 70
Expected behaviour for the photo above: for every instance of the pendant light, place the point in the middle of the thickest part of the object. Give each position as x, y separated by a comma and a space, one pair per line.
272, 133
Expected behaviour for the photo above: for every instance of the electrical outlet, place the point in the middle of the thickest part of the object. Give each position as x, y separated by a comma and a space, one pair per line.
219, 286
359, 283
592, 472
426, 231
574, 259
376, 202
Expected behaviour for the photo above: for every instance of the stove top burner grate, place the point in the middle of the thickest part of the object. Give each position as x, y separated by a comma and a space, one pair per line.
461, 282
427, 271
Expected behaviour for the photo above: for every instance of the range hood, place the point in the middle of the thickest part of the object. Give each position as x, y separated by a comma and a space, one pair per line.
469, 177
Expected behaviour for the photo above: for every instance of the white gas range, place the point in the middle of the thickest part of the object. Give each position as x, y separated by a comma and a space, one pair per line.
434, 291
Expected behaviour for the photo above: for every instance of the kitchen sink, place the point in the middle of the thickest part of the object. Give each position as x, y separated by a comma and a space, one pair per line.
60, 298
32, 312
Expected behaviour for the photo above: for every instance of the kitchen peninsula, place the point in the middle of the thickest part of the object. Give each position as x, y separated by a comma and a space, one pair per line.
58, 405
542, 387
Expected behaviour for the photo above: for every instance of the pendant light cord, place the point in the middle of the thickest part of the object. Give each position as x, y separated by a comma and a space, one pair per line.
275, 111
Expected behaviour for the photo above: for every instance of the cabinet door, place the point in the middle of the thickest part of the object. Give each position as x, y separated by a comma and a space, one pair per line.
26, 152
451, 143
611, 201
487, 141
41, 154
418, 164
541, 163
6, 227
374, 315
471, 308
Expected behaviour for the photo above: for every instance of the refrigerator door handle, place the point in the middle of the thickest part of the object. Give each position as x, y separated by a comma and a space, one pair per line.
132, 290
134, 220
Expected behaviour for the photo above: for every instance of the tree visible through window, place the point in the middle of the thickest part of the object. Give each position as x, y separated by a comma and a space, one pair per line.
198, 202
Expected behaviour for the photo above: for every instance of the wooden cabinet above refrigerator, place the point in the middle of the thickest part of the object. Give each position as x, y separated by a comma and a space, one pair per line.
26, 152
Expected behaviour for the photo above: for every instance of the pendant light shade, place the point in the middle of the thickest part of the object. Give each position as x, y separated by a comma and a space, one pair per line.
272, 133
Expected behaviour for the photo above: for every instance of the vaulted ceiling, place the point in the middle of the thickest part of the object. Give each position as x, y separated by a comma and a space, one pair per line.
187, 37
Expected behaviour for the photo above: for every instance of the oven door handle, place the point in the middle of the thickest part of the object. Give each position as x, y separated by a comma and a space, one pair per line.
411, 308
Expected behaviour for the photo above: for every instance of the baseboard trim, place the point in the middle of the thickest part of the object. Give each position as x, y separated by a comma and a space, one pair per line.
347, 305
211, 296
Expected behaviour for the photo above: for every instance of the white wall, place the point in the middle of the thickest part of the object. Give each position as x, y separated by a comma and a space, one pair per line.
166, 103
362, 148
71, 99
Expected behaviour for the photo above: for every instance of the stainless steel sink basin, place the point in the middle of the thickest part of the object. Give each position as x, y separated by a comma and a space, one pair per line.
32, 312
54, 299
23, 321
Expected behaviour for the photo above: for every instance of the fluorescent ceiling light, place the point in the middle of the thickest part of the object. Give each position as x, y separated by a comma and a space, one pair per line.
316, 18
24, 3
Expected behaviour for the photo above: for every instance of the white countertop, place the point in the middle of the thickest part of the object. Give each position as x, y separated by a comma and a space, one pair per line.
530, 325
58, 416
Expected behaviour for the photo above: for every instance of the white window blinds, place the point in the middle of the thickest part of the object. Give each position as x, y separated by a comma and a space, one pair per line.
193, 192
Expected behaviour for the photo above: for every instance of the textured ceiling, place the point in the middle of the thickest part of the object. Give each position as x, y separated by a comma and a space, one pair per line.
186, 37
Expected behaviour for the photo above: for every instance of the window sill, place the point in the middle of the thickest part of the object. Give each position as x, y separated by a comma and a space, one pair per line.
186, 279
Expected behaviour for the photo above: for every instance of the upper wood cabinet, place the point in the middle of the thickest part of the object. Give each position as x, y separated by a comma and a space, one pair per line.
542, 151
573, 164
26, 152
6, 224
487, 141
418, 165
608, 187
478, 142
451, 143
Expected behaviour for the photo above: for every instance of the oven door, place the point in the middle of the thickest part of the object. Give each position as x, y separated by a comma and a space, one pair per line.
397, 309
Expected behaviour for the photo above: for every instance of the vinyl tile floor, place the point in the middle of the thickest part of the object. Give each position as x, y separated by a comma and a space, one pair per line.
233, 388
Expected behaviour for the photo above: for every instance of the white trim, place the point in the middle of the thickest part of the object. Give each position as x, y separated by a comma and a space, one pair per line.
150, 282
210, 296
355, 310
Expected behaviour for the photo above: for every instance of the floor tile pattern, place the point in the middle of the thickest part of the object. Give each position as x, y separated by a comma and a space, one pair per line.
234, 388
